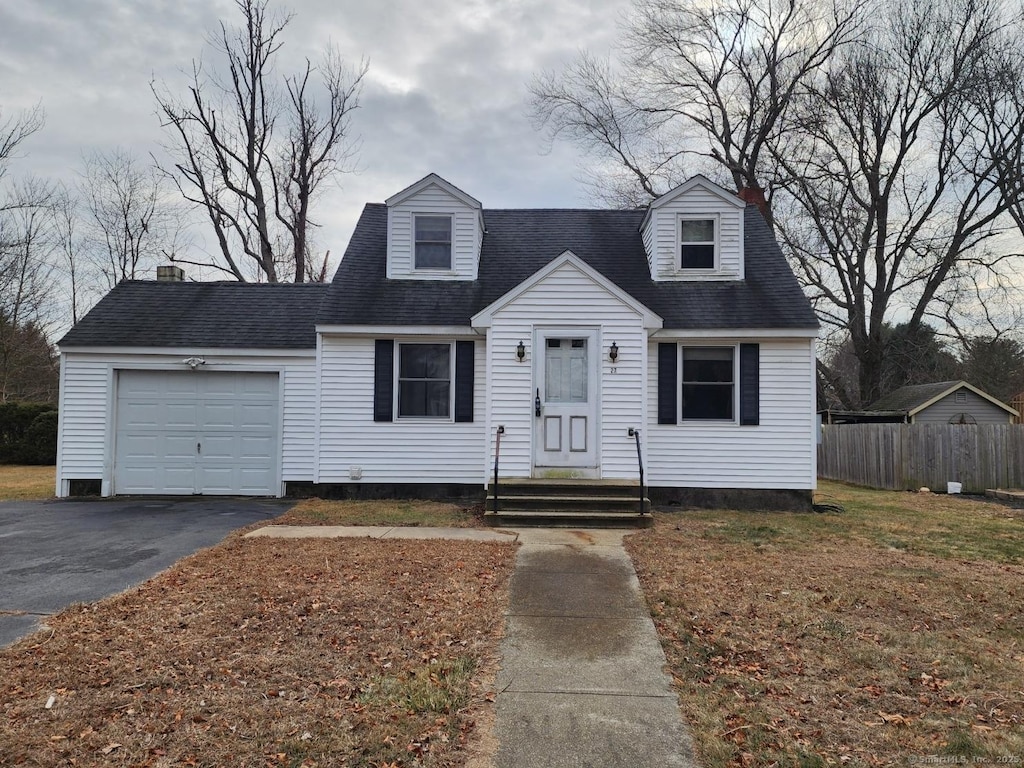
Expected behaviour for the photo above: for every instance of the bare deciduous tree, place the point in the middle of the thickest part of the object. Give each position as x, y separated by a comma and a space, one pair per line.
700, 81
316, 148
230, 160
27, 363
897, 194
889, 137
14, 130
130, 221
69, 245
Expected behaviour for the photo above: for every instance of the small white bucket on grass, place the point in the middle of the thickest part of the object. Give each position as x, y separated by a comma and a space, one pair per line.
954, 487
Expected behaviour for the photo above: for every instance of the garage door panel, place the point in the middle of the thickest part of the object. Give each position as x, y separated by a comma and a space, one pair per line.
176, 383
220, 416
218, 480
197, 432
140, 447
254, 416
137, 480
264, 386
252, 482
180, 415
181, 446
224, 386
178, 479
255, 448
134, 414
219, 447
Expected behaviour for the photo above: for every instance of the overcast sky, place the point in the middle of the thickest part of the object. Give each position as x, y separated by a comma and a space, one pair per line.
446, 90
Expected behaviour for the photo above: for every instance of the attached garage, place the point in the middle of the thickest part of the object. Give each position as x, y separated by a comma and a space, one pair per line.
196, 432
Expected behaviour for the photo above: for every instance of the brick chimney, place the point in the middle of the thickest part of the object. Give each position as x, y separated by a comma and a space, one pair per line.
755, 194
169, 273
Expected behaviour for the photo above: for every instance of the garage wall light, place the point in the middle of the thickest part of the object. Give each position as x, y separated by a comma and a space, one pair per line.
194, 362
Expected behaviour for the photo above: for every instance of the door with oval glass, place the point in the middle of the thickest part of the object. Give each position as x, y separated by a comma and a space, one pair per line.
566, 428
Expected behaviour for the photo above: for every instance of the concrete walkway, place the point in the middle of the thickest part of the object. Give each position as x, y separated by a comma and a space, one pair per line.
582, 680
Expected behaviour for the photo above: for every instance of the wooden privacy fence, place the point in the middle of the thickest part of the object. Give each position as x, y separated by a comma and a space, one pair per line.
909, 456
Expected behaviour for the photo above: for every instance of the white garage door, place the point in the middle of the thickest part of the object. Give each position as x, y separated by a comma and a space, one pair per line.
196, 432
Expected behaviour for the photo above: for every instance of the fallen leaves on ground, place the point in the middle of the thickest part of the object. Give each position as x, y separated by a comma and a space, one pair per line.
798, 640
401, 512
263, 652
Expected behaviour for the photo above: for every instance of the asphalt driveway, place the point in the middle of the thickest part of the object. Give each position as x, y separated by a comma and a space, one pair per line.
54, 553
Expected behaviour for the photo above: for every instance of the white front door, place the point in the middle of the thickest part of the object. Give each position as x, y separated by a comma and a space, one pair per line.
565, 389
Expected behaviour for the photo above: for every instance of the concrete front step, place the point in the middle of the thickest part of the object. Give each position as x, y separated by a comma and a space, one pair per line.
565, 487
576, 503
567, 518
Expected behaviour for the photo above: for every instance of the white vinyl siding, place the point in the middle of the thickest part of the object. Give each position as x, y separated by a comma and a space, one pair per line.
466, 236
400, 451
85, 403
87, 406
661, 236
564, 299
777, 453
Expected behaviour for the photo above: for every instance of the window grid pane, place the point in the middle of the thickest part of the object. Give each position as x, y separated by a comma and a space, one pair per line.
424, 380
697, 244
707, 385
698, 230
433, 242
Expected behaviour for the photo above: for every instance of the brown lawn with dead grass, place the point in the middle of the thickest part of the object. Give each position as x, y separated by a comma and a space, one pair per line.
888, 634
21, 483
403, 512
261, 652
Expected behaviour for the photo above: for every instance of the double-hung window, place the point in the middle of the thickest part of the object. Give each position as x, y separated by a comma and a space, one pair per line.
708, 386
433, 246
424, 380
697, 243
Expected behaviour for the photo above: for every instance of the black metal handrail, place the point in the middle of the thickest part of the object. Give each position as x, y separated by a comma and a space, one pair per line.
497, 455
635, 434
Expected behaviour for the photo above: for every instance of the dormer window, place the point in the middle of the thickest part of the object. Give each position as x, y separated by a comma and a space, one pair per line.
433, 242
697, 243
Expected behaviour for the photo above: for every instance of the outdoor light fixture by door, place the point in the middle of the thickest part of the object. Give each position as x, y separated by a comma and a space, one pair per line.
613, 352
520, 351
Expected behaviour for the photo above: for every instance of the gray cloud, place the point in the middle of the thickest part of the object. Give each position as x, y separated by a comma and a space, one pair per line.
446, 90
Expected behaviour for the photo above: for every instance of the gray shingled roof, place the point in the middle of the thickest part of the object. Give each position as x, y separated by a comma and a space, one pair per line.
220, 315
517, 243
906, 399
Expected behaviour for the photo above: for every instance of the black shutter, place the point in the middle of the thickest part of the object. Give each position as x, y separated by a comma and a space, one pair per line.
464, 380
384, 380
668, 388
750, 384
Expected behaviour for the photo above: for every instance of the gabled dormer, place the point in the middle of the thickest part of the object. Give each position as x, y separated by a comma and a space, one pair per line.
434, 232
695, 232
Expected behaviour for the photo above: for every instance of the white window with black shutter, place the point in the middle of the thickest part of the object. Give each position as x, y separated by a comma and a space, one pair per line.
709, 384
423, 380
